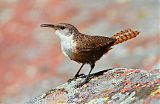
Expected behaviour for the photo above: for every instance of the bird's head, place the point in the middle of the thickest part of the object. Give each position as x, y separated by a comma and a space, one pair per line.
62, 29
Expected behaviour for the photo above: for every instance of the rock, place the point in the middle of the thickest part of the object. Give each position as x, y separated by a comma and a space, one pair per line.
113, 86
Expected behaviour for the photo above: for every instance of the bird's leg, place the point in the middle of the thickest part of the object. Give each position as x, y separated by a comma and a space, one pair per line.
88, 76
77, 74
87, 79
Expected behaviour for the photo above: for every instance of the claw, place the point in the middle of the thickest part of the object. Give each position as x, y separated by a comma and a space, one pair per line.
70, 80
78, 76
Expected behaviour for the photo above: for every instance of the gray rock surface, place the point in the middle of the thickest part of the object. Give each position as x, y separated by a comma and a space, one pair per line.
114, 86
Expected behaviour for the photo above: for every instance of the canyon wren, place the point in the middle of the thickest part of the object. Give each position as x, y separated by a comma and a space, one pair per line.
84, 48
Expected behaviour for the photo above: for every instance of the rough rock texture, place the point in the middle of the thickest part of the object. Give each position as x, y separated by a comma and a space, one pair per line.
113, 86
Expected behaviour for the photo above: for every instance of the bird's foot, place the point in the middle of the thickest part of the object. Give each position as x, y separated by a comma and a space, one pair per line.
77, 76
80, 76
84, 82
70, 80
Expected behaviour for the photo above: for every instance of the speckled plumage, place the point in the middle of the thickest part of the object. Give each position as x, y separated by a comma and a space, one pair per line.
87, 49
124, 35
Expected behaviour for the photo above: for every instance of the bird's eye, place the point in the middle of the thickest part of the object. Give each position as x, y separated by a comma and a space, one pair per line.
62, 27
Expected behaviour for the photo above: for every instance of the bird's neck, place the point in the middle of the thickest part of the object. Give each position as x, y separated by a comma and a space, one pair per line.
67, 42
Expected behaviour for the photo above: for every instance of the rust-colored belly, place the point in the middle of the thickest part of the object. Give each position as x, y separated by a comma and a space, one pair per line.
87, 56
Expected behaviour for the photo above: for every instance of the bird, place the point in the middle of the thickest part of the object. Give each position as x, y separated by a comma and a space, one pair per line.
87, 49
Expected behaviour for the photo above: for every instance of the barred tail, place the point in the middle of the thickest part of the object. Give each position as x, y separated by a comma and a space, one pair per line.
124, 35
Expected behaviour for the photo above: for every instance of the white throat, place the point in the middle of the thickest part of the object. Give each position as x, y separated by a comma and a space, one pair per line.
67, 42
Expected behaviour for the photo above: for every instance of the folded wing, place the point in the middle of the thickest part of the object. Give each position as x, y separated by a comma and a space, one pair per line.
90, 43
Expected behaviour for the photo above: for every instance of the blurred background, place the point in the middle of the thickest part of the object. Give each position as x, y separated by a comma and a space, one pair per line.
31, 61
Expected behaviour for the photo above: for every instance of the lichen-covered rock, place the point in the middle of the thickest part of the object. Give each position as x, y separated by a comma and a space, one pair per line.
119, 85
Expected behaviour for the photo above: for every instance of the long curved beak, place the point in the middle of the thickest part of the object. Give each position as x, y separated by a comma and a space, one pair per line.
47, 25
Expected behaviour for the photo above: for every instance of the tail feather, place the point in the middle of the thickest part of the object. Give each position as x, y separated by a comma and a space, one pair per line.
125, 35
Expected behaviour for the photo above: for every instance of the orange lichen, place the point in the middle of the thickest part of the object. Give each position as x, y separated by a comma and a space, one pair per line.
156, 93
125, 90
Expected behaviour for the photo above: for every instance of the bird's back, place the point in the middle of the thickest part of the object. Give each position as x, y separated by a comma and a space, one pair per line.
90, 48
